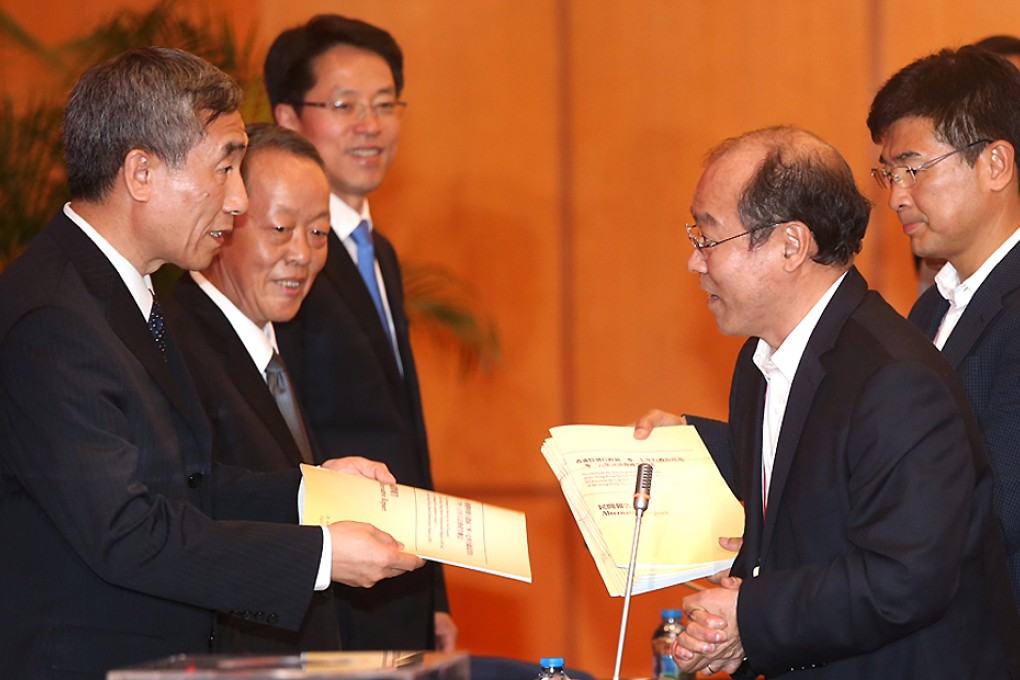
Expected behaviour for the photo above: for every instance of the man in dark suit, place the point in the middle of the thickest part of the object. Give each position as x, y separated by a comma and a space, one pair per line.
949, 132
870, 548
338, 81
223, 321
123, 537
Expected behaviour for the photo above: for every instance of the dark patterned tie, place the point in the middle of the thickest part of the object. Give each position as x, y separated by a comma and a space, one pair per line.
157, 325
283, 391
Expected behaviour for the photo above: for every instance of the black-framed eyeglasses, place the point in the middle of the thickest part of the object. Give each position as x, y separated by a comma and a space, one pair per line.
349, 109
905, 176
701, 242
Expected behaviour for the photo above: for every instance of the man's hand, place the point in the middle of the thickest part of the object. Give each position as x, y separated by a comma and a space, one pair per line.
653, 419
711, 640
364, 555
356, 465
446, 632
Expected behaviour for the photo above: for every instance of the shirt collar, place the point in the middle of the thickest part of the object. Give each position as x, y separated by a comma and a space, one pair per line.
344, 219
260, 342
959, 292
786, 358
140, 286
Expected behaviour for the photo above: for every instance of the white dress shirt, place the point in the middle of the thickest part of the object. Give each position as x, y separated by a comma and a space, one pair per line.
139, 285
779, 367
959, 293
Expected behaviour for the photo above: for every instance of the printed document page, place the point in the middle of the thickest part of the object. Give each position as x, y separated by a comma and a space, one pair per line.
690, 506
434, 526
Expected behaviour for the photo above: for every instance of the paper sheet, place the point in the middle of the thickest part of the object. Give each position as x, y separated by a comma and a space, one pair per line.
690, 505
434, 526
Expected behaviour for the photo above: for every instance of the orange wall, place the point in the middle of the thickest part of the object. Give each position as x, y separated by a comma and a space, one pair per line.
548, 158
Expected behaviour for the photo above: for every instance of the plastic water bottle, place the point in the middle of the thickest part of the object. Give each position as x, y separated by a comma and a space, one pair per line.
664, 667
551, 667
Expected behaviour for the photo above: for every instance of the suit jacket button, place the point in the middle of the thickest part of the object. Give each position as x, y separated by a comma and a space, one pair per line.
195, 479
272, 618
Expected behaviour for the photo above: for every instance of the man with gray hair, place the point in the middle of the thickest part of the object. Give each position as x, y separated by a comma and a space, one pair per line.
123, 536
869, 547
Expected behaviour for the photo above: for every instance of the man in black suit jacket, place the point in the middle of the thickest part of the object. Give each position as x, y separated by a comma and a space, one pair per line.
949, 132
870, 548
123, 537
223, 320
338, 81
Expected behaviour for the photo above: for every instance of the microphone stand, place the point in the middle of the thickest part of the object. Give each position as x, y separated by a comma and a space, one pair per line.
642, 494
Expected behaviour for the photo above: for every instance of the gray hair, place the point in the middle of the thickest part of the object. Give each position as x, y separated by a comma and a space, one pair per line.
154, 99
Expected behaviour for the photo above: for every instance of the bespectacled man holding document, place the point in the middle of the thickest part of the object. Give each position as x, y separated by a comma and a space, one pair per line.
869, 549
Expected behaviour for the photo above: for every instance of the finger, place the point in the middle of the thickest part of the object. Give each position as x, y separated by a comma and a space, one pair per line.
717, 577
731, 582
371, 469
693, 643
731, 543
408, 562
653, 419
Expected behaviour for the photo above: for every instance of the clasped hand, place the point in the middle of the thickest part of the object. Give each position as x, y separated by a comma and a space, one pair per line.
711, 640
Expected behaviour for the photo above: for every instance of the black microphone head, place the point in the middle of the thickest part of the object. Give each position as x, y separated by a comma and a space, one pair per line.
643, 486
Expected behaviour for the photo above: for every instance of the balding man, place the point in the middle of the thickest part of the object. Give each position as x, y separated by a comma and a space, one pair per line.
870, 548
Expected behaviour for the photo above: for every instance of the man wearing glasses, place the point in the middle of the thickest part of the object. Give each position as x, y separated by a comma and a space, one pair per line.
870, 548
949, 130
338, 81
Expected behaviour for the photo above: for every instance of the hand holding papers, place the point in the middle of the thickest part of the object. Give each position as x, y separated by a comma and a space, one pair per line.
447, 529
692, 508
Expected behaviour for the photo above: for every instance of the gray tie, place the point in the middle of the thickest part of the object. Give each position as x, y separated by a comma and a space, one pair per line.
283, 391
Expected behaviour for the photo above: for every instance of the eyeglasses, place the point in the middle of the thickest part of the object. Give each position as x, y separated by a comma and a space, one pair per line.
702, 243
356, 111
905, 176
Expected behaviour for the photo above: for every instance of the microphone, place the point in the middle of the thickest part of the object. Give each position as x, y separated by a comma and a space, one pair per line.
643, 487
642, 496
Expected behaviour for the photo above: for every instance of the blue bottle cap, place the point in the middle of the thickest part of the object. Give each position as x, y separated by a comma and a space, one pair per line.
672, 613
552, 662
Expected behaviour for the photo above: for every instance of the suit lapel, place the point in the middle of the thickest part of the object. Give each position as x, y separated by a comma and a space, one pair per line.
928, 311
104, 283
342, 274
749, 398
241, 370
809, 376
983, 307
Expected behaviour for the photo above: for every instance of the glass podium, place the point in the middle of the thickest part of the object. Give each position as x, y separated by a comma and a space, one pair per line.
389, 665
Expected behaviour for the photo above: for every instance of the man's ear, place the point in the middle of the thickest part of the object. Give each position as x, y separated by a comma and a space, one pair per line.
798, 244
138, 175
287, 117
1001, 164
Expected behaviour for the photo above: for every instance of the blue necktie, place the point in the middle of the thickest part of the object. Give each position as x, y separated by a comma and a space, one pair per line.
366, 267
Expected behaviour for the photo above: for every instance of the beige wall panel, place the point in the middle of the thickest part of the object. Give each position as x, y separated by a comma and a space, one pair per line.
548, 158
653, 91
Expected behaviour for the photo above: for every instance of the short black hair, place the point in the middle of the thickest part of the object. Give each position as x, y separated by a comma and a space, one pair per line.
968, 94
1006, 45
159, 100
288, 70
802, 178
268, 136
